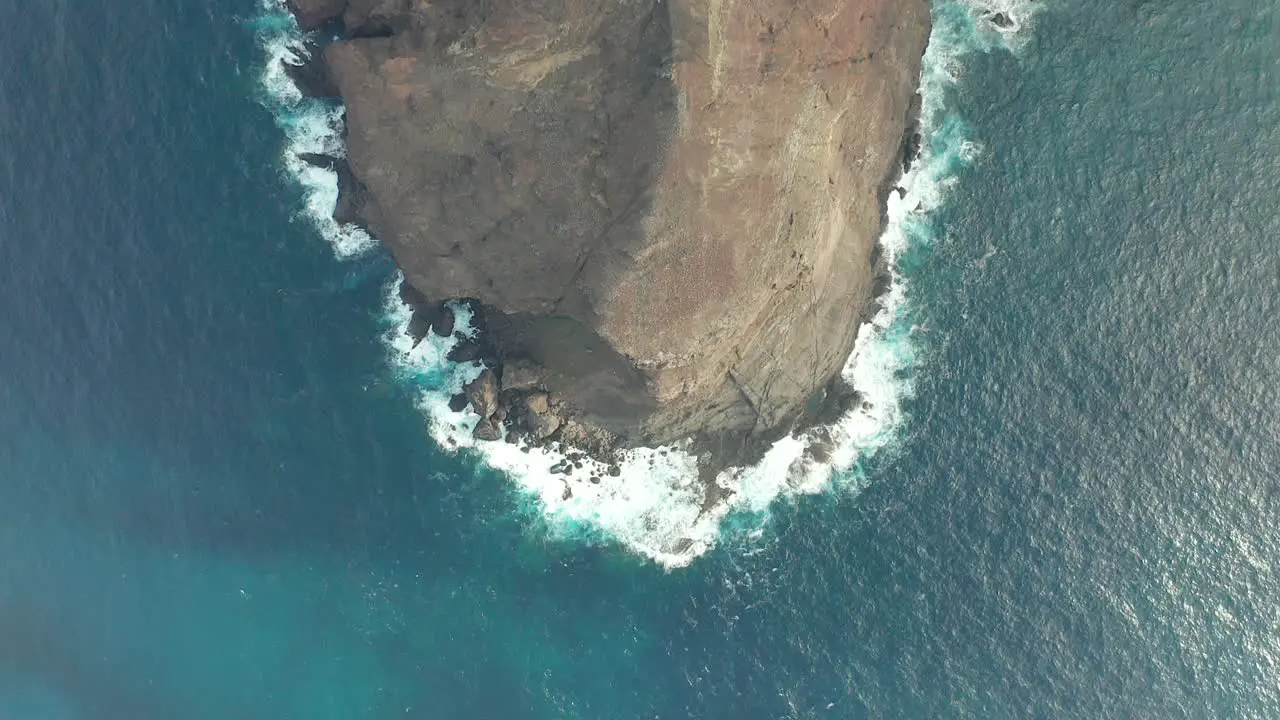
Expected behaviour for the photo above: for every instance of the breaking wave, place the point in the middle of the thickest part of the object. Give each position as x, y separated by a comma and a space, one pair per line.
657, 507
311, 127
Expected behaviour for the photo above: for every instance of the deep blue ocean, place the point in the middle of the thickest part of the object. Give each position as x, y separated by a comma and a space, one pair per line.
218, 501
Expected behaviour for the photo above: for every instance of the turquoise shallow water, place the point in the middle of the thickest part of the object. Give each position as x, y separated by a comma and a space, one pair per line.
217, 500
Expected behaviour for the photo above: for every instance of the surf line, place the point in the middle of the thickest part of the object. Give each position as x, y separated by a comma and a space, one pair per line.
653, 504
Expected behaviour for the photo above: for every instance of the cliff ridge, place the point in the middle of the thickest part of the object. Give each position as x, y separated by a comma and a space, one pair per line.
664, 214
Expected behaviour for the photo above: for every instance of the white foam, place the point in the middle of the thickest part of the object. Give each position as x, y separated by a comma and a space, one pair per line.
310, 126
656, 507
1020, 14
651, 507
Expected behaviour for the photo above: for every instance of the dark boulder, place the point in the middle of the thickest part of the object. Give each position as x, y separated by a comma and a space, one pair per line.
482, 393
1000, 20
353, 196
440, 317
467, 349
412, 296
418, 328
828, 406
910, 150
319, 160
427, 315
543, 426
487, 429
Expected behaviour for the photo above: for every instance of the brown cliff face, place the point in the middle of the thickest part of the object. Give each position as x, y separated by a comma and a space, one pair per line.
668, 209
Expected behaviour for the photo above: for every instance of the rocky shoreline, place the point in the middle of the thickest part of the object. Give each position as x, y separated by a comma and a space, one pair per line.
586, 366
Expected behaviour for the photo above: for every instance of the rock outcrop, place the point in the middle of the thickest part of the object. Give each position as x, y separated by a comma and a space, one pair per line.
664, 212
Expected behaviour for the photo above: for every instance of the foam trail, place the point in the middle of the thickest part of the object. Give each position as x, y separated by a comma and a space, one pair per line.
657, 507
311, 127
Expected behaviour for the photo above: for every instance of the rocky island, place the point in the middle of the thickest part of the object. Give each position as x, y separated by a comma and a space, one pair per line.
662, 214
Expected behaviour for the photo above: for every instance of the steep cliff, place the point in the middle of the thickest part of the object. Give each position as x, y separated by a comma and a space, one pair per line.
665, 212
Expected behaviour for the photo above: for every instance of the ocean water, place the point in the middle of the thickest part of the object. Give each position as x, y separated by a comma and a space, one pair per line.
225, 491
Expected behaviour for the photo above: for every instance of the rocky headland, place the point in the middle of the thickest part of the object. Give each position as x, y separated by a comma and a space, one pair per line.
662, 215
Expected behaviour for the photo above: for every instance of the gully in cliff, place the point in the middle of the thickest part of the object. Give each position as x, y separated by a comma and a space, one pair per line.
662, 216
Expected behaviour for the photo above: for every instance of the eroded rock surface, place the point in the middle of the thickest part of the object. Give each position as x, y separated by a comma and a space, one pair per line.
665, 210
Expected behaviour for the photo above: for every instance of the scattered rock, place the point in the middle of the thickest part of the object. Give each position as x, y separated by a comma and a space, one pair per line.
420, 321
482, 393
1000, 20
466, 350
418, 328
543, 426
470, 350
820, 451
513, 399
319, 160
537, 404
487, 429
440, 318
458, 402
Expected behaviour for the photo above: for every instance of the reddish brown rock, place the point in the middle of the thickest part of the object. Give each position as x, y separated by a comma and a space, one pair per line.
537, 403
669, 207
